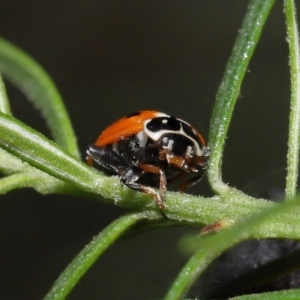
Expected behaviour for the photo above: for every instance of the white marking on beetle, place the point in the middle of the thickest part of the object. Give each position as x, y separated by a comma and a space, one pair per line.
188, 151
159, 114
142, 137
157, 135
115, 147
170, 145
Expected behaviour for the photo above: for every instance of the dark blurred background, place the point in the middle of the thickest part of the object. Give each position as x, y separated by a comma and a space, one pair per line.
111, 58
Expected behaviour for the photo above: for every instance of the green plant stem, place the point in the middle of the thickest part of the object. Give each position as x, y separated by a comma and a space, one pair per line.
4, 103
9, 164
294, 126
43, 154
29, 77
31, 146
215, 245
19, 174
15, 181
86, 258
257, 13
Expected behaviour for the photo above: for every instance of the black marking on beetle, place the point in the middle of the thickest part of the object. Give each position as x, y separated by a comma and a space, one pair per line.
158, 124
155, 129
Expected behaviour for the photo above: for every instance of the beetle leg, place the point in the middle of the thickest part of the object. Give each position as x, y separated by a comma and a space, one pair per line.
130, 177
106, 158
157, 171
143, 159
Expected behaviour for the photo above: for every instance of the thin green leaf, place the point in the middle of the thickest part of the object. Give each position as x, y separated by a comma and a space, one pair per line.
9, 164
281, 295
30, 78
37, 150
15, 181
4, 104
23, 175
215, 245
257, 13
87, 257
294, 126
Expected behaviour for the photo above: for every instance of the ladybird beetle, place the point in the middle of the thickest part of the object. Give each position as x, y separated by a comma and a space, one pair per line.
150, 149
